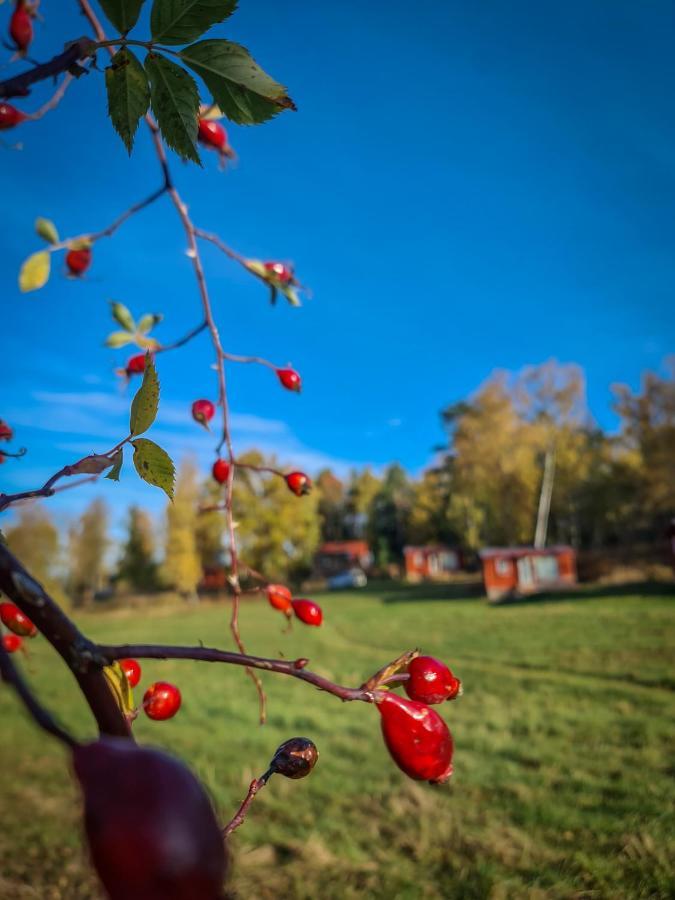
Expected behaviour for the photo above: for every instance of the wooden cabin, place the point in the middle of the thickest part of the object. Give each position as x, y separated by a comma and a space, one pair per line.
519, 571
431, 563
336, 557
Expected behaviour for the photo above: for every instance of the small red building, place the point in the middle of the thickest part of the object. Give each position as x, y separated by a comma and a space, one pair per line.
518, 571
432, 563
336, 557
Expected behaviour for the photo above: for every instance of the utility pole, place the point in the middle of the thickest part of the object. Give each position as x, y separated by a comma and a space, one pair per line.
545, 499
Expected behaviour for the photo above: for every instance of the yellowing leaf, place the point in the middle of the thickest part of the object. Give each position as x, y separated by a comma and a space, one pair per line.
46, 229
154, 465
146, 343
34, 272
91, 465
119, 339
119, 685
118, 459
146, 402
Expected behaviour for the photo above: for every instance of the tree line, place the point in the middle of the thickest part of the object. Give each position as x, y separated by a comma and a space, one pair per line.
483, 488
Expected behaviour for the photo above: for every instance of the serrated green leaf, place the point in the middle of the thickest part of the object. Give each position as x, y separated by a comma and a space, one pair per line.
175, 103
243, 91
46, 229
118, 459
122, 13
146, 402
154, 465
182, 21
128, 94
122, 315
35, 271
148, 321
117, 339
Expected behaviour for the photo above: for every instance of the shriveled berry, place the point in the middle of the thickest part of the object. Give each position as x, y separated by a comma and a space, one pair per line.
21, 27
78, 261
135, 365
6, 433
308, 611
279, 597
203, 411
289, 379
431, 681
150, 826
12, 618
280, 272
417, 738
132, 670
10, 116
161, 701
221, 470
298, 483
11, 642
295, 758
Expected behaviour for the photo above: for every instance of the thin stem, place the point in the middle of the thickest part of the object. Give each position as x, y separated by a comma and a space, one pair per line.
221, 245
184, 340
240, 815
55, 99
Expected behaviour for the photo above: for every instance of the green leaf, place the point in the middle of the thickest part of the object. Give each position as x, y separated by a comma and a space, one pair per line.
146, 402
242, 90
122, 315
119, 339
175, 103
122, 13
118, 459
34, 272
182, 21
128, 94
148, 321
119, 685
46, 229
154, 465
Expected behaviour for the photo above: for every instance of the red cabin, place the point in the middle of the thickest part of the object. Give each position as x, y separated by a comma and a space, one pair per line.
336, 557
518, 571
431, 563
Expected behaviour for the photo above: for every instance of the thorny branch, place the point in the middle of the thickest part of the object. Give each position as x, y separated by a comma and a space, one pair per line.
68, 60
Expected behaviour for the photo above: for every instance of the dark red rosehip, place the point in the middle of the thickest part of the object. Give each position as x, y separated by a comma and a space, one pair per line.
289, 379
21, 27
161, 701
135, 365
280, 272
221, 470
6, 433
279, 597
150, 826
417, 738
431, 681
11, 642
308, 611
295, 758
10, 116
78, 261
132, 670
298, 483
203, 411
212, 133
12, 618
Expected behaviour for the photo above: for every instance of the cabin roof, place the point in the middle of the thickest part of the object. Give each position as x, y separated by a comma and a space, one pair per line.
516, 552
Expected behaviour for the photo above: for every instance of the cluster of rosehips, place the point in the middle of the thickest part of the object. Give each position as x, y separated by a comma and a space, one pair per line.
19, 625
417, 738
161, 701
297, 482
281, 598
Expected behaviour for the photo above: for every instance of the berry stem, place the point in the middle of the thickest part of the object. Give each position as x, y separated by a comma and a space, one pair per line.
240, 815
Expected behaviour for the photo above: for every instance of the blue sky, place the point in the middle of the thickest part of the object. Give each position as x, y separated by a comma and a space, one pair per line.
466, 186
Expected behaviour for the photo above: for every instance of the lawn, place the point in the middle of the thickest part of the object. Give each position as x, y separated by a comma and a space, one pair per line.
564, 764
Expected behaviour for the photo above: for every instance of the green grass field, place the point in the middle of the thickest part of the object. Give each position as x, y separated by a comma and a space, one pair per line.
564, 761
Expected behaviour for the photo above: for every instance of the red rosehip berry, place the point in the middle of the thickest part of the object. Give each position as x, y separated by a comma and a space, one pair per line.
431, 681
132, 670
78, 261
12, 618
298, 483
11, 642
203, 411
212, 134
150, 825
21, 27
161, 701
307, 611
289, 379
221, 470
417, 738
6, 433
3, 458
280, 272
135, 365
10, 116
279, 597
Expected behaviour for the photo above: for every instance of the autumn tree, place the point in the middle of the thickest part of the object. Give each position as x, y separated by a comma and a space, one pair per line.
331, 506
137, 567
181, 568
35, 538
87, 546
388, 515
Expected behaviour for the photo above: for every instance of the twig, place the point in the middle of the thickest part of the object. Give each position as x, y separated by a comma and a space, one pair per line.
54, 101
184, 340
18, 85
238, 818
